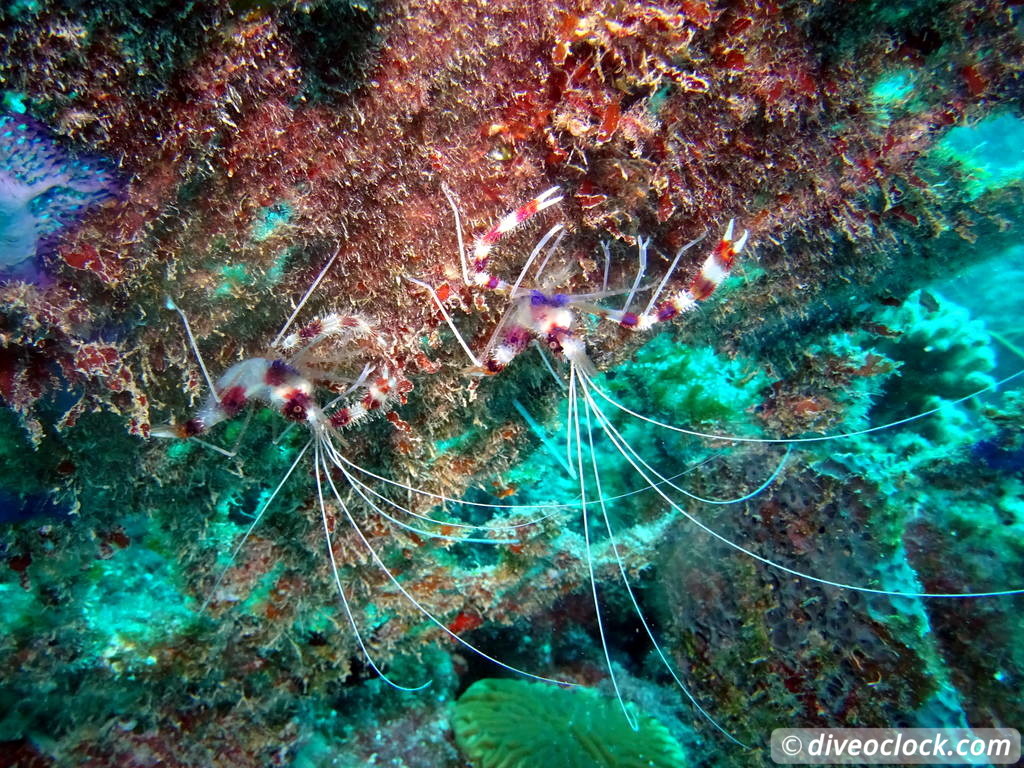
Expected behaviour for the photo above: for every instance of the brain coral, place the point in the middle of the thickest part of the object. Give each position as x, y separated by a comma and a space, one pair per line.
524, 724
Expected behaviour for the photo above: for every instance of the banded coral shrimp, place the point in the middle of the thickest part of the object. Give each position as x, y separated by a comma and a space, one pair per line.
286, 380
890, 586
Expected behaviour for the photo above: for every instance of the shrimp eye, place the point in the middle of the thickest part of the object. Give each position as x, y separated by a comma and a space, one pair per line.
295, 406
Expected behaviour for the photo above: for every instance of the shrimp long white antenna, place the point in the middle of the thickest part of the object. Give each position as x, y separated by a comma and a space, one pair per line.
612, 540
448, 499
551, 252
722, 502
252, 527
558, 506
770, 480
816, 439
547, 364
570, 413
668, 274
641, 244
1006, 343
447, 318
356, 384
359, 488
545, 439
416, 603
305, 298
613, 435
169, 303
207, 444
630, 717
318, 460
606, 250
458, 233
362, 488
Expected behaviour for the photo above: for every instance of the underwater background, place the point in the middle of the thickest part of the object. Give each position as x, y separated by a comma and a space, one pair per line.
218, 153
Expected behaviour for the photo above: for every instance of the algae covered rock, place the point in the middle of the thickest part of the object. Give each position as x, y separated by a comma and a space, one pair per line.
521, 724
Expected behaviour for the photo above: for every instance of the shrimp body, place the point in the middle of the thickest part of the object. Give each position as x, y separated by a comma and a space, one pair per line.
280, 382
279, 385
274, 383
548, 318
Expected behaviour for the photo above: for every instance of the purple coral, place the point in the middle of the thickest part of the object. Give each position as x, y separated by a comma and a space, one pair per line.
43, 190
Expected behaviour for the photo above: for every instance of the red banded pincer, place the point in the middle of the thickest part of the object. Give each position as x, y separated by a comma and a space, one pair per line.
544, 315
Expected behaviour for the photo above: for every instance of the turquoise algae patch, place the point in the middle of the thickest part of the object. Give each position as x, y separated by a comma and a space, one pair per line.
134, 602
236, 277
938, 354
442, 447
24, 7
690, 385
894, 94
270, 219
126, 604
233, 278
13, 102
989, 153
892, 88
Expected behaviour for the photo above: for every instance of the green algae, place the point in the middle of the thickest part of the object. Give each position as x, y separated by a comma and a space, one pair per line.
14, 102
455, 442
693, 387
689, 385
233, 277
894, 94
936, 353
136, 600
